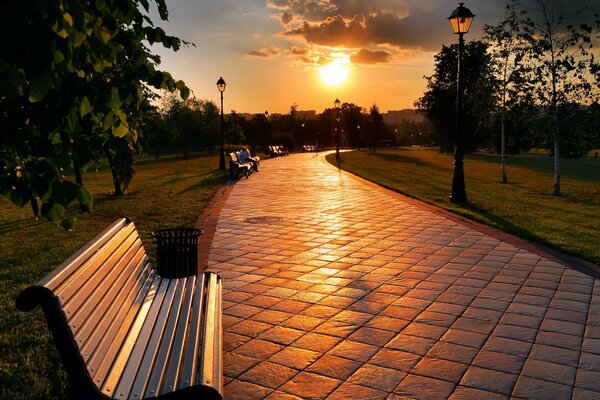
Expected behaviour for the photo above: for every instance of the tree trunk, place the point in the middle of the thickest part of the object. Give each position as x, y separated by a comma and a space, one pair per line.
556, 187
503, 147
79, 181
115, 175
157, 153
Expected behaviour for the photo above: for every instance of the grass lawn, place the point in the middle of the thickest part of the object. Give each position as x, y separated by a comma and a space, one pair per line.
524, 206
170, 192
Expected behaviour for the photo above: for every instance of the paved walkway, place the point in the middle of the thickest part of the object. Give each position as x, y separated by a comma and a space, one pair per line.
338, 289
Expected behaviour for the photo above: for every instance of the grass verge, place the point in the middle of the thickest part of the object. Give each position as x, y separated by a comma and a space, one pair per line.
170, 192
524, 207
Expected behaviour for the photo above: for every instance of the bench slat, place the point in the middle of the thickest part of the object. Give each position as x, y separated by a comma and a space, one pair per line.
99, 320
120, 361
81, 276
210, 362
142, 378
58, 275
81, 310
135, 357
100, 364
181, 335
160, 364
190, 362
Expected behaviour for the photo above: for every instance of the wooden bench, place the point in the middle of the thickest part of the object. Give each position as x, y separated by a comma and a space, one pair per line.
124, 332
276, 151
236, 167
309, 148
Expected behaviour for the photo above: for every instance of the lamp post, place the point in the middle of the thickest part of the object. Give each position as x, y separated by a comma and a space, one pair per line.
267, 131
358, 138
337, 105
221, 86
460, 20
303, 138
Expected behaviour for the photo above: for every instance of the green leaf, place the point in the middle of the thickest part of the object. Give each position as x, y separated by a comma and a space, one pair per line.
53, 212
39, 88
68, 18
85, 107
121, 130
84, 197
68, 223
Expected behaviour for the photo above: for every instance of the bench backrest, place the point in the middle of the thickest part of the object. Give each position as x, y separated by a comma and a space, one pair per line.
97, 303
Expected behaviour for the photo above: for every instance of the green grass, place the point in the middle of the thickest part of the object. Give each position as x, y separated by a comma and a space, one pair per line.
169, 193
524, 206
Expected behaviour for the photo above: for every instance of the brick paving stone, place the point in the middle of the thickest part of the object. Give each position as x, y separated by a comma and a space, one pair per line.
353, 350
490, 380
453, 352
233, 340
499, 361
311, 386
376, 337
295, 357
440, 369
236, 364
257, 348
589, 380
470, 339
551, 372
277, 395
423, 388
349, 391
399, 360
424, 330
334, 367
555, 355
281, 335
536, 389
249, 328
238, 390
467, 393
268, 374
411, 344
375, 377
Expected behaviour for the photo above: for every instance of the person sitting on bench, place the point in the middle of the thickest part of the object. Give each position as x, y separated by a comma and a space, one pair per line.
245, 157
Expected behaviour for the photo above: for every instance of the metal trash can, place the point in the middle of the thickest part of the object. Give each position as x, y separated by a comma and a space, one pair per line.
177, 252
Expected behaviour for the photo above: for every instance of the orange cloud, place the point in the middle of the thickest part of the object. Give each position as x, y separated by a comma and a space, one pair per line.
366, 56
264, 52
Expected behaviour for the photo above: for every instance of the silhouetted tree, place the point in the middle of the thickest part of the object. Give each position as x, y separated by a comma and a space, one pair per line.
439, 100
506, 51
376, 126
563, 69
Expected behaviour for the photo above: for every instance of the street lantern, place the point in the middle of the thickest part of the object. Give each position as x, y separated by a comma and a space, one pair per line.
221, 86
358, 138
267, 129
337, 105
460, 21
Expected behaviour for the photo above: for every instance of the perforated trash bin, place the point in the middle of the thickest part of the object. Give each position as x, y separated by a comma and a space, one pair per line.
177, 252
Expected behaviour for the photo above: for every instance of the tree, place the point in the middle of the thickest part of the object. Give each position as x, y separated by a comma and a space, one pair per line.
479, 85
353, 119
506, 54
376, 126
71, 75
562, 70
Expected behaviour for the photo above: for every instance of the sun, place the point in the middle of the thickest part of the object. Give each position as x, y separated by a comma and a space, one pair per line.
334, 74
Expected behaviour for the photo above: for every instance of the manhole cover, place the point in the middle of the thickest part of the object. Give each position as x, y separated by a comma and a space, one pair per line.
265, 219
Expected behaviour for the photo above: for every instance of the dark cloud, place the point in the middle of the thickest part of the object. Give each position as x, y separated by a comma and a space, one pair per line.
334, 31
366, 56
265, 53
298, 51
286, 18
382, 28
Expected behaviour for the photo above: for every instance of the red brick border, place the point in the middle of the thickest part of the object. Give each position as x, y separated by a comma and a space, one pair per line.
207, 221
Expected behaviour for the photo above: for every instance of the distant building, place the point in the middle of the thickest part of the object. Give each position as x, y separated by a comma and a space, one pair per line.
396, 117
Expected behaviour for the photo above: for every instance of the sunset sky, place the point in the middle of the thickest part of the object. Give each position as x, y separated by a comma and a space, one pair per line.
273, 53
